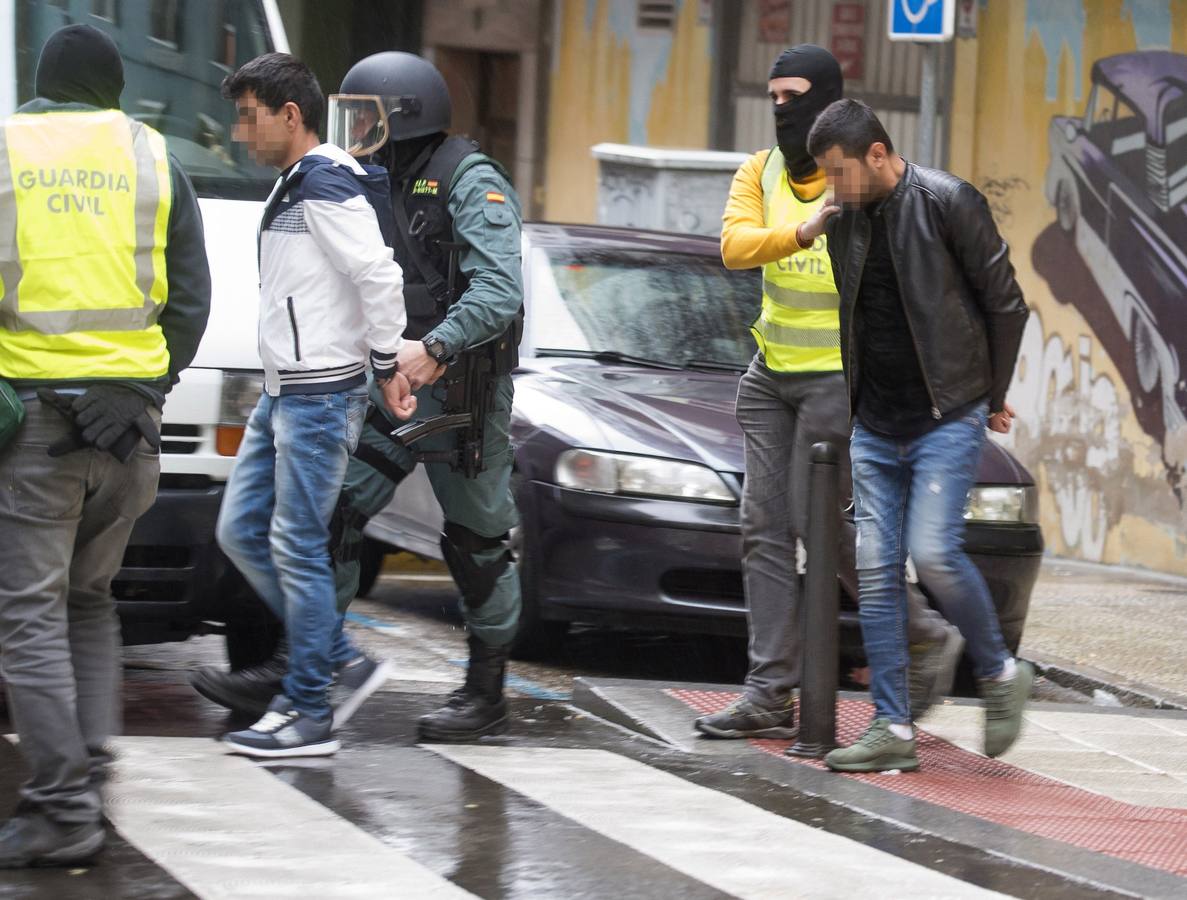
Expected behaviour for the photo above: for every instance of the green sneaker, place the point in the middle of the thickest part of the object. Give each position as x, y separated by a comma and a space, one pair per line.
878, 750
1004, 703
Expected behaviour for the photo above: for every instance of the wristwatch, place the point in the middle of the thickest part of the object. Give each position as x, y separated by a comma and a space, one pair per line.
436, 349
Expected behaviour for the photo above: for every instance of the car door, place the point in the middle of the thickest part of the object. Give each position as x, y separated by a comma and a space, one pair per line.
1146, 245
1105, 147
413, 521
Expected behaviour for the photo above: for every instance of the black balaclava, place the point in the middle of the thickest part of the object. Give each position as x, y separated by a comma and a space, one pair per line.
794, 119
80, 64
398, 157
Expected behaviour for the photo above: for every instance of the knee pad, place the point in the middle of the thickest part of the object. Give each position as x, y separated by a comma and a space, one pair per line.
476, 581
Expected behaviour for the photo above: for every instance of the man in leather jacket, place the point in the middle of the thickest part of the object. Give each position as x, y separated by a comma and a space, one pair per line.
792, 396
931, 321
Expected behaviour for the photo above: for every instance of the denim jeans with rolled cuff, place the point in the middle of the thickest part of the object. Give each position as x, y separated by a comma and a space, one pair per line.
910, 496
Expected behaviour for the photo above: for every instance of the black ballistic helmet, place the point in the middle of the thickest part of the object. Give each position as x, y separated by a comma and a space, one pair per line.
389, 96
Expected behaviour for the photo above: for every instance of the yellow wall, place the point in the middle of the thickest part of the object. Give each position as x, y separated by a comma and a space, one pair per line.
611, 82
1109, 455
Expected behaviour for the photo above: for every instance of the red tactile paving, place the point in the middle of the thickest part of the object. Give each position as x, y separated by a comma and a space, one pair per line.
999, 792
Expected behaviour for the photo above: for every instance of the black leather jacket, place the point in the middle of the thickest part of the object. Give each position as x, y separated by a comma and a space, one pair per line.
963, 305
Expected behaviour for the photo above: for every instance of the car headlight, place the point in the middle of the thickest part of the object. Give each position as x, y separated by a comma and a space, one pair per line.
647, 476
1012, 504
240, 393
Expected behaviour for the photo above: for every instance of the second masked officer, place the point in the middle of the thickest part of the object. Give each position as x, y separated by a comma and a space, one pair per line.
458, 223
792, 396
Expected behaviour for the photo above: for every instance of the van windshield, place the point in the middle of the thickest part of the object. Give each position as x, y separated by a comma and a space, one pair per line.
176, 54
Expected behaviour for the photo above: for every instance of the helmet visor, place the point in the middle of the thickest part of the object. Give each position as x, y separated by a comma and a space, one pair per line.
359, 122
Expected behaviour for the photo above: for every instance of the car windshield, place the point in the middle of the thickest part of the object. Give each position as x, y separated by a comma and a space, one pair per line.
176, 55
681, 309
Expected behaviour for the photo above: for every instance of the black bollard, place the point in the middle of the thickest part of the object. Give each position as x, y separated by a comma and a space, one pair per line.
821, 607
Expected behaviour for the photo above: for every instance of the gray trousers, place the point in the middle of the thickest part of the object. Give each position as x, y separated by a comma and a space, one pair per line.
64, 524
782, 415
485, 505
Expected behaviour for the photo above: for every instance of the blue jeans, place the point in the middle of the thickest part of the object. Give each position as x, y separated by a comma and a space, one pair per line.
910, 495
275, 523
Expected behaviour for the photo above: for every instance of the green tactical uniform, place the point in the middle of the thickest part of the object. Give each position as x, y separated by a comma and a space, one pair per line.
490, 229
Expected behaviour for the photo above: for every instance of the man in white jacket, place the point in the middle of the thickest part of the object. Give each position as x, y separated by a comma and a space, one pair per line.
331, 300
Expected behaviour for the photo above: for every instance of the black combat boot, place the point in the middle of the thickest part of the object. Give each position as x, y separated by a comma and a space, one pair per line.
477, 707
247, 691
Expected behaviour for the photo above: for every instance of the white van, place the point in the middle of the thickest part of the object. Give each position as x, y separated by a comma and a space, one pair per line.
174, 582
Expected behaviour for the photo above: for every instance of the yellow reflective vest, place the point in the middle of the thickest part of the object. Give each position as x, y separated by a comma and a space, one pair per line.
799, 328
85, 197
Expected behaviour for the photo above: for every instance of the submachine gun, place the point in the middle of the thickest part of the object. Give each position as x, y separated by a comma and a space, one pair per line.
469, 381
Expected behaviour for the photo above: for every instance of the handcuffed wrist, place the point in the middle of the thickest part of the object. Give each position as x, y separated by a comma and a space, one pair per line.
384, 366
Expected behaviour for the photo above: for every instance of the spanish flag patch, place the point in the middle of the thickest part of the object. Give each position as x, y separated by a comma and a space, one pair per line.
495, 197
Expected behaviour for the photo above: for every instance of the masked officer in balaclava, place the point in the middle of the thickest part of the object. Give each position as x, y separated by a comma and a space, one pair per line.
792, 396
458, 241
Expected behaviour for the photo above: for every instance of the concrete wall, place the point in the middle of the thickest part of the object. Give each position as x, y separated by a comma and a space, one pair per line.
1100, 384
883, 73
612, 81
489, 53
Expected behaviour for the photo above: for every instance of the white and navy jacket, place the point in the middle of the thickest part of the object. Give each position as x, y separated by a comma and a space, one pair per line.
331, 295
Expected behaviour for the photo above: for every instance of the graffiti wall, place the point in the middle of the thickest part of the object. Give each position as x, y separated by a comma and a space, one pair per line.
1071, 116
620, 77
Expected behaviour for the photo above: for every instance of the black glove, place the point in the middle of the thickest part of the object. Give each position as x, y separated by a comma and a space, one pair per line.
111, 417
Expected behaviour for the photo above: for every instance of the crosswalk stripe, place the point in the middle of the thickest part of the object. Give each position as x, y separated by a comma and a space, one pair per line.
226, 828
718, 839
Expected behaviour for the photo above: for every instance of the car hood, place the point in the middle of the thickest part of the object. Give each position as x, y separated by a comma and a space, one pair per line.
678, 414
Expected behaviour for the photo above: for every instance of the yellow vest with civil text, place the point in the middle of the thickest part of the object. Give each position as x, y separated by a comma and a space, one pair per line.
85, 198
799, 328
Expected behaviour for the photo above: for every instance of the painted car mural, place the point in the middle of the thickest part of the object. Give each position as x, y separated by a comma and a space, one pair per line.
1117, 179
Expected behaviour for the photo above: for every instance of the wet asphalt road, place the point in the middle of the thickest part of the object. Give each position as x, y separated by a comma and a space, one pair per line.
417, 619
456, 825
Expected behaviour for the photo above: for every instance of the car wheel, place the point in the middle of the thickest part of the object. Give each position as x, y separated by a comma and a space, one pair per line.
537, 637
371, 556
1067, 205
1145, 355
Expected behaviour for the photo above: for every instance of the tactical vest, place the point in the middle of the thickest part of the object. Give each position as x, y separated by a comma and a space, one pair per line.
799, 328
87, 196
430, 227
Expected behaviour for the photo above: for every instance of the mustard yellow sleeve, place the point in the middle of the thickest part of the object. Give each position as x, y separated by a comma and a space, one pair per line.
745, 241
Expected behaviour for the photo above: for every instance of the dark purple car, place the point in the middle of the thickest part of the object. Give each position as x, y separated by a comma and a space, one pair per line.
629, 461
1118, 181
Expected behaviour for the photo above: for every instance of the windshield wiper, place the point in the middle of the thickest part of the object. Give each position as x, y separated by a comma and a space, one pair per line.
714, 366
608, 356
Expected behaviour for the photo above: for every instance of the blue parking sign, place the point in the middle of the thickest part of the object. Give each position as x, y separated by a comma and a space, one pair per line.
922, 20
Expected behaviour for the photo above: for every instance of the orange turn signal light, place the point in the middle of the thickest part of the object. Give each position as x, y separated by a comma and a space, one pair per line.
227, 439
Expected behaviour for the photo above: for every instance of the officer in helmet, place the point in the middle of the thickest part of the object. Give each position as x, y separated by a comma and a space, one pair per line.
457, 224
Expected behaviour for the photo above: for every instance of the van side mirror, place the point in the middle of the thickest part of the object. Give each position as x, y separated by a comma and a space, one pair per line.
1071, 130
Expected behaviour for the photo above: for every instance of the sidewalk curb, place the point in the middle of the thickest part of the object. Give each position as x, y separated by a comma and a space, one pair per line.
1086, 679
645, 707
